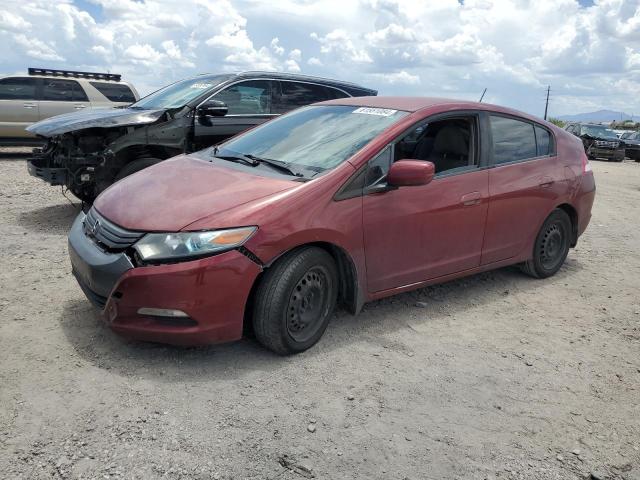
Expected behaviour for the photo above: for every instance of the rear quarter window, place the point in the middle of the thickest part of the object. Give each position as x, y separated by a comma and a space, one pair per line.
115, 92
544, 141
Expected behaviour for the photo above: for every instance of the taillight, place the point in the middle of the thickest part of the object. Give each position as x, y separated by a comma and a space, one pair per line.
586, 166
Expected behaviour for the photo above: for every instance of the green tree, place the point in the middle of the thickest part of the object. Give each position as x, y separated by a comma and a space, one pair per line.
557, 122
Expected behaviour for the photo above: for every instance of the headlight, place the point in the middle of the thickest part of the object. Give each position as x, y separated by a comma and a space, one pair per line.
173, 246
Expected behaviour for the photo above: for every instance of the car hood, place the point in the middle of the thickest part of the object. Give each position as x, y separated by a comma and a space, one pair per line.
631, 142
175, 193
97, 118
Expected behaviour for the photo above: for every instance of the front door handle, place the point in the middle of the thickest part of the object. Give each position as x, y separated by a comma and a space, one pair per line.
472, 198
29, 105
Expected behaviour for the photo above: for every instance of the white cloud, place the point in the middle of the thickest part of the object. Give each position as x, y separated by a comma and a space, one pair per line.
295, 54
292, 66
339, 43
275, 46
590, 56
397, 78
13, 22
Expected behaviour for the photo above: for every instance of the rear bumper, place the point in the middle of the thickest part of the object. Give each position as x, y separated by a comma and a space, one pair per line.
39, 167
212, 291
584, 201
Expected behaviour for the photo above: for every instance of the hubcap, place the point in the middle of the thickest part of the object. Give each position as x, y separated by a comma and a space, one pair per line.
308, 304
552, 247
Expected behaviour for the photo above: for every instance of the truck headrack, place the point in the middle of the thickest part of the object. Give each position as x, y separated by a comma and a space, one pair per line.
71, 73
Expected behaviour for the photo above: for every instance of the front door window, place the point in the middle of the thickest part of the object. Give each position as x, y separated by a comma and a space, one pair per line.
247, 98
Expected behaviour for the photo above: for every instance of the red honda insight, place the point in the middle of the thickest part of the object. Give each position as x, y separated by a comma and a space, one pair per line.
341, 202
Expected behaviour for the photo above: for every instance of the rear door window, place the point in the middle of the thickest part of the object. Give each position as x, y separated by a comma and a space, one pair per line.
252, 97
513, 140
116, 92
298, 94
18, 89
63, 91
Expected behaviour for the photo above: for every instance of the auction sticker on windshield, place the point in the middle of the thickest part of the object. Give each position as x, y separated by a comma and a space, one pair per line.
201, 85
383, 112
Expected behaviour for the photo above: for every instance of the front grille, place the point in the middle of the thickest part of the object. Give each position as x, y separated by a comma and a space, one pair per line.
107, 234
606, 144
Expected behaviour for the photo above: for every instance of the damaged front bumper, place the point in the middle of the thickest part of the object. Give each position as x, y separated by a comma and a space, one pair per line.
40, 166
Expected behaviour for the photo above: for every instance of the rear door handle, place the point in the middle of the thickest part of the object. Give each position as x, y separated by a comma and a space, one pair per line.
29, 105
546, 182
472, 198
80, 106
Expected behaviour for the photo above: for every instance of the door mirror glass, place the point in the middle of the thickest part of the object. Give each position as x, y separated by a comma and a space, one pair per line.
409, 173
213, 108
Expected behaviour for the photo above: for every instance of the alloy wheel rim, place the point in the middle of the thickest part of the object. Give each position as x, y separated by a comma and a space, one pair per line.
308, 304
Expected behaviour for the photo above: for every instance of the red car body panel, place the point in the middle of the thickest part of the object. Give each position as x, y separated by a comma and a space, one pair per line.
178, 195
394, 241
200, 288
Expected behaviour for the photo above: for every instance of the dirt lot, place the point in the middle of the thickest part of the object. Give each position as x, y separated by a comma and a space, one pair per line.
495, 376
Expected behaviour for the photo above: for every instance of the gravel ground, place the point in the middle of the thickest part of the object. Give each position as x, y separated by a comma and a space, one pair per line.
496, 376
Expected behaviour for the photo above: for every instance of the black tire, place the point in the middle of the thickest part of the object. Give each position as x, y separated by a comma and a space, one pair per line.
295, 300
551, 246
135, 166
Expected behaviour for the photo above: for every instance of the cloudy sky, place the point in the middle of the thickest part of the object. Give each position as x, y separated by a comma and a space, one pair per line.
588, 51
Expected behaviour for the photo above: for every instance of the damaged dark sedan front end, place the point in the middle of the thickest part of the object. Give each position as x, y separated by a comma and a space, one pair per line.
87, 151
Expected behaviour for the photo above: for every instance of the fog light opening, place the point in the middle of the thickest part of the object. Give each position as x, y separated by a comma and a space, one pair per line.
162, 312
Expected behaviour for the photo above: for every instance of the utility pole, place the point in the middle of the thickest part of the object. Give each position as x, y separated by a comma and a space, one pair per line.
482, 96
546, 105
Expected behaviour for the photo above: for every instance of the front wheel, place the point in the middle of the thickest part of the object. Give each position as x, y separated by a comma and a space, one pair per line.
295, 300
551, 246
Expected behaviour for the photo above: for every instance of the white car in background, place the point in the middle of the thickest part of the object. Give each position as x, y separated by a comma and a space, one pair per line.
44, 93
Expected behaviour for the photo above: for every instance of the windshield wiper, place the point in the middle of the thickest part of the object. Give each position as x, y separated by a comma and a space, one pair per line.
277, 164
240, 158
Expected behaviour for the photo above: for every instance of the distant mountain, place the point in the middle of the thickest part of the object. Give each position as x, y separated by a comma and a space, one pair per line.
599, 116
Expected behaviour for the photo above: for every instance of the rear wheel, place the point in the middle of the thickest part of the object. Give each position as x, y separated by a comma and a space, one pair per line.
551, 246
295, 301
135, 166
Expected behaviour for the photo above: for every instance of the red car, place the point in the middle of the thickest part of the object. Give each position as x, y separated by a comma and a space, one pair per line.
341, 202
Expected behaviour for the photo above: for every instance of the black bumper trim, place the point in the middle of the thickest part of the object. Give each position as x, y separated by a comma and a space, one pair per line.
97, 271
38, 167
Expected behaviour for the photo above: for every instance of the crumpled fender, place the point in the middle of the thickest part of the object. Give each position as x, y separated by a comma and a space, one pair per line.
95, 118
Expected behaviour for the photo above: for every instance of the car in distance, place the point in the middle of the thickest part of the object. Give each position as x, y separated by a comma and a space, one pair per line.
44, 93
598, 140
631, 141
88, 152
342, 202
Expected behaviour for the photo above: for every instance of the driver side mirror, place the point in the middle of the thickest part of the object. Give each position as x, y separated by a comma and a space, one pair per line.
410, 173
213, 108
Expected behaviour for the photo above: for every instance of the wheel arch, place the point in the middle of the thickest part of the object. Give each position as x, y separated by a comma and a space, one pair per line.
349, 293
573, 216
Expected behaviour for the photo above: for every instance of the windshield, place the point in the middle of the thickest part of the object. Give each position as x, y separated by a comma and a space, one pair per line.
314, 138
598, 131
180, 93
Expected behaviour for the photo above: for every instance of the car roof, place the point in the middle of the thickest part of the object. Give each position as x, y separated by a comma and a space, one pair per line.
286, 76
414, 104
